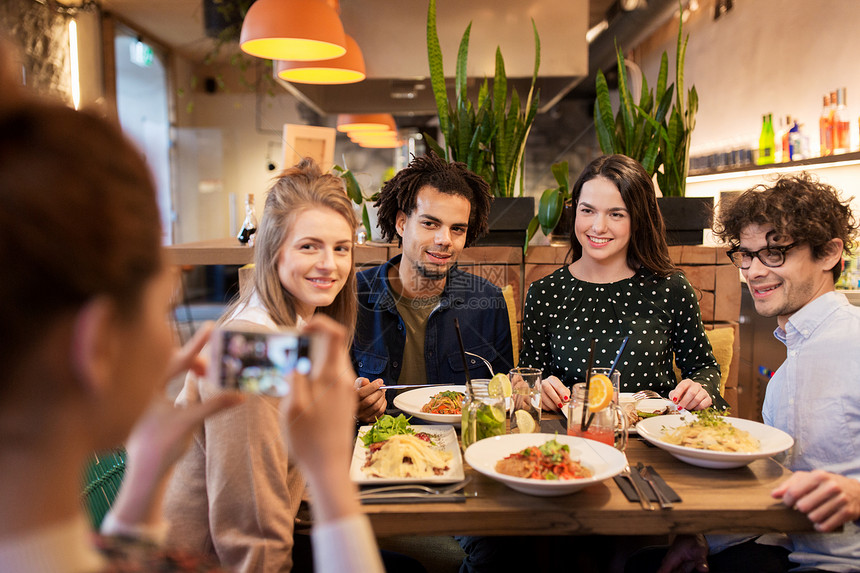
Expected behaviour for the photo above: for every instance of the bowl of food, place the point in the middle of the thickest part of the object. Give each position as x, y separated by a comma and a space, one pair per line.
544, 464
708, 440
440, 404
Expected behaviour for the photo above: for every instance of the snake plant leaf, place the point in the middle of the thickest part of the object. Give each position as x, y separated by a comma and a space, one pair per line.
437, 149
365, 220
626, 104
462, 58
662, 76
437, 71
353, 189
549, 209
605, 134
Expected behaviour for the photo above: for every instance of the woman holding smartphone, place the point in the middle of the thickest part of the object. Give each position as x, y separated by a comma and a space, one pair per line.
619, 281
236, 492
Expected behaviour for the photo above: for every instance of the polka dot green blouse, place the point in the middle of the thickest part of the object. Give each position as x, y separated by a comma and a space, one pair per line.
562, 314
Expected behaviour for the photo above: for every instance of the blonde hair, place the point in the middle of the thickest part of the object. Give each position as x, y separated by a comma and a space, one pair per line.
295, 190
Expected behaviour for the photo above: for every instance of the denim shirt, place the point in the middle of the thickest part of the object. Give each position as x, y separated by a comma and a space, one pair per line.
377, 350
815, 397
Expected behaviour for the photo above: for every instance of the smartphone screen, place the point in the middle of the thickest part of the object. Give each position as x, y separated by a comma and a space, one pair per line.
256, 361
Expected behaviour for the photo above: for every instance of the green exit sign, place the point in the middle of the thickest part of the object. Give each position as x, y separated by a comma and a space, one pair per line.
141, 54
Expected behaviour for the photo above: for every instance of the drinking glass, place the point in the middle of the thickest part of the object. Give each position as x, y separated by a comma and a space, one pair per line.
483, 415
615, 379
608, 425
525, 400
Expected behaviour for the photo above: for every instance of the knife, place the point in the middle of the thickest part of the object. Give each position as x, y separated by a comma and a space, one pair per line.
413, 498
408, 386
645, 474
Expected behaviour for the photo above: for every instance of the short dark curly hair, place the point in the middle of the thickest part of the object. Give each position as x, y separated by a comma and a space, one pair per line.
400, 193
799, 207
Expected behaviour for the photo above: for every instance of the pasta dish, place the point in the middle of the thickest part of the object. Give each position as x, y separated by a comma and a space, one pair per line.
406, 455
550, 461
448, 402
711, 432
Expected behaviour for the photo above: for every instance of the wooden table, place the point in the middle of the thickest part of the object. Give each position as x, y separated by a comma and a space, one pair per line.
714, 501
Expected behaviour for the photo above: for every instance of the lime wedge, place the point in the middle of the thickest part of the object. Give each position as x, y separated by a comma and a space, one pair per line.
500, 385
499, 414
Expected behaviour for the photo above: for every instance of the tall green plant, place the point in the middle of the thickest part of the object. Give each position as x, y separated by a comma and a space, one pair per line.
489, 136
629, 132
643, 132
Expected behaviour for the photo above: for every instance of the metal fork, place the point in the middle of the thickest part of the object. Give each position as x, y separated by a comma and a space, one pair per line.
665, 503
643, 499
413, 487
642, 394
485, 361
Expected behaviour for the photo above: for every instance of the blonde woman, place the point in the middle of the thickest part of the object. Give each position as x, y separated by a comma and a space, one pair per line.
236, 492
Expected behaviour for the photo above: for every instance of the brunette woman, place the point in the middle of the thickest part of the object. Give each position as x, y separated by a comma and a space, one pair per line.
619, 281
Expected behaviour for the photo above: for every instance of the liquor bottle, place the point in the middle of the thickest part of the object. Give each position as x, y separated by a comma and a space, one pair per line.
247, 233
766, 141
785, 131
825, 128
841, 125
795, 143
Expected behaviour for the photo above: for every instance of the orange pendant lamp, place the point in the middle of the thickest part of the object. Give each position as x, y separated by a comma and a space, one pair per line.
347, 69
303, 30
355, 122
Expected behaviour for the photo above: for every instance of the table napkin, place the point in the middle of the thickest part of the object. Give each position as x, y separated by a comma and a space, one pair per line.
630, 493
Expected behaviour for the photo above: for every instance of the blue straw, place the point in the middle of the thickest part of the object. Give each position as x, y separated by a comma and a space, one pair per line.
618, 356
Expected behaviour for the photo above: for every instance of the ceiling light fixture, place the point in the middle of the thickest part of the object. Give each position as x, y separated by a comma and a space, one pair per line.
347, 69
350, 122
301, 30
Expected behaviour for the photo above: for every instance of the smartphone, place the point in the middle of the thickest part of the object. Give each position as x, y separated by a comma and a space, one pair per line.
257, 361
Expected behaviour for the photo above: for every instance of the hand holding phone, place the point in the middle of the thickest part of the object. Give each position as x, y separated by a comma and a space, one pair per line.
258, 361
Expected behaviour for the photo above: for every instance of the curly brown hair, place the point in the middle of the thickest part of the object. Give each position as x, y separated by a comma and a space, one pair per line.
800, 208
400, 193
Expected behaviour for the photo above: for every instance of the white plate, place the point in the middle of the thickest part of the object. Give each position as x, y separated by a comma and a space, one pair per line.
772, 440
411, 402
603, 461
444, 438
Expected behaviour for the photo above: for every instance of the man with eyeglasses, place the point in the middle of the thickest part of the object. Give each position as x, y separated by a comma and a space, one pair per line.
789, 240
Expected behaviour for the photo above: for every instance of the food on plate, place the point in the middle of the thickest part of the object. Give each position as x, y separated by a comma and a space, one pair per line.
638, 411
385, 427
500, 385
600, 392
448, 402
709, 431
551, 461
406, 455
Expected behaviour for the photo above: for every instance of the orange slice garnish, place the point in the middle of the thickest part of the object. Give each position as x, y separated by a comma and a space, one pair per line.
600, 392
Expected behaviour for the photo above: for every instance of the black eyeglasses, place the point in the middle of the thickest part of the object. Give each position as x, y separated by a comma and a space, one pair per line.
769, 256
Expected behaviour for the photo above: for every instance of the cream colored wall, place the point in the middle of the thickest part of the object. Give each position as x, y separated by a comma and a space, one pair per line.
765, 56
221, 155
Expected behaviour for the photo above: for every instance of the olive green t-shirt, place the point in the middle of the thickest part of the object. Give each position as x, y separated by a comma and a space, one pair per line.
415, 312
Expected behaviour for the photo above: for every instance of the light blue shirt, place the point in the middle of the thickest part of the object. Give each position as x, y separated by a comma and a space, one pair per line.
814, 396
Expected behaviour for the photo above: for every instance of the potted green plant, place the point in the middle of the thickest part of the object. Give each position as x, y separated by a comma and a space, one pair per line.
658, 139
489, 135
353, 190
555, 211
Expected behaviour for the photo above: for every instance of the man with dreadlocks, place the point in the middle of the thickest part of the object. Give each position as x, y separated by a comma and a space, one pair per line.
407, 307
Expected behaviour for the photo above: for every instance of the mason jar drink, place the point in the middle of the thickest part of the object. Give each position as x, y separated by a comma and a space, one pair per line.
483, 415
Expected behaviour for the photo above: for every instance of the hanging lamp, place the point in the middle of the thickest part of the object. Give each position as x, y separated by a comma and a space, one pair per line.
292, 30
347, 69
354, 122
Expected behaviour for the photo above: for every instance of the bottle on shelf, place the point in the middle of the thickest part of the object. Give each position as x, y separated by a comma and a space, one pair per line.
825, 128
247, 233
785, 141
797, 146
766, 141
841, 125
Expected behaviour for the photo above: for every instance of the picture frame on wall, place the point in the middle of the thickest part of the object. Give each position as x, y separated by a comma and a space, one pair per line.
309, 141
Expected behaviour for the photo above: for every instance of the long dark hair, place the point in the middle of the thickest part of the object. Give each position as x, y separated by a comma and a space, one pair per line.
647, 247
